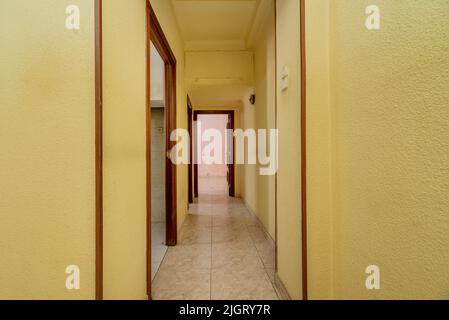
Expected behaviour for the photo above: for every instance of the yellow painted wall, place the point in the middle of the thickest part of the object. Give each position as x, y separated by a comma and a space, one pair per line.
319, 218
249, 171
124, 65
390, 129
47, 129
259, 191
124, 47
289, 173
389, 159
219, 67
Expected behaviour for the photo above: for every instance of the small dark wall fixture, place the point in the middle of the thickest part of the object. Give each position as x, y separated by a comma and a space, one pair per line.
252, 99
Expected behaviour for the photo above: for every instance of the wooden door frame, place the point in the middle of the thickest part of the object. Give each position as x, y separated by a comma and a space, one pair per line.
196, 113
190, 166
304, 150
98, 151
156, 35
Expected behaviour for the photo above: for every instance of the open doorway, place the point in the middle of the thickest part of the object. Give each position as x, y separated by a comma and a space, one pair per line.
212, 178
217, 178
158, 147
161, 172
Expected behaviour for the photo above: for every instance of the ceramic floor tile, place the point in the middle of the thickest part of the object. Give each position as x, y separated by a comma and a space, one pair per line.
227, 234
173, 284
188, 257
158, 247
222, 253
233, 221
266, 250
200, 209
246, 284
268, 259
198, 220
271, 272
226, 257
195, 235
257, 233
251, 220
234, 246
154, 269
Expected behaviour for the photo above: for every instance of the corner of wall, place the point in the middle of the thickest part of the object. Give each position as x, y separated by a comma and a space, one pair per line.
319, 156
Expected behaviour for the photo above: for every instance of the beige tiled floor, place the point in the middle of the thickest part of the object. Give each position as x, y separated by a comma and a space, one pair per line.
158, 247
222, 254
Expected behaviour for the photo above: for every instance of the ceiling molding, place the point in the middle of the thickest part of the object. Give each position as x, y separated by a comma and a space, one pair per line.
263, 9
219, 45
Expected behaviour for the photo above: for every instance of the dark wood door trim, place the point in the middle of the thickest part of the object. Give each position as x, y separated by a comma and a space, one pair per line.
276, 263
148, 150
304, 150
195, 165
196, 113
231, 166
190, 166
98, 152
170, 177
156, 35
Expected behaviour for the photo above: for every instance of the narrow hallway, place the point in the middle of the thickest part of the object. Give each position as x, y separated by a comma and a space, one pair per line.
223, 253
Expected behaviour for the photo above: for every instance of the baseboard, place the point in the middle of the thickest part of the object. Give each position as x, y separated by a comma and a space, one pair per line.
258, 220
280, 287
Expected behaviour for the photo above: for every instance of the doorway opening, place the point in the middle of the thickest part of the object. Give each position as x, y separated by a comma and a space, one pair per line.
160, 122
158, 147
214, 178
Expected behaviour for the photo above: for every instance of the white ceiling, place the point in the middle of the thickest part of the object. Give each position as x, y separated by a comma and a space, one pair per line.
210, 24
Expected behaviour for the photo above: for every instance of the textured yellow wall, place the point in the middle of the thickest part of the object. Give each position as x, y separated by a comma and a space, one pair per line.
265, 89
124, 141
389, 152
124, 64
259, 191
289, 174
319, 218
249, 171
222, 66
390, 128
47, 182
